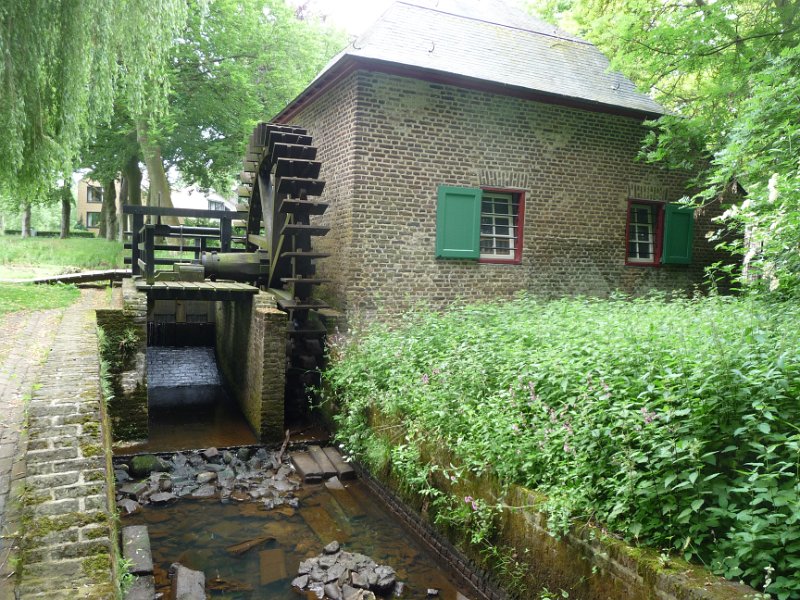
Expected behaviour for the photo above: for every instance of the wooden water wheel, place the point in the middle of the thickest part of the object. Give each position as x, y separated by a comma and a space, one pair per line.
280, 182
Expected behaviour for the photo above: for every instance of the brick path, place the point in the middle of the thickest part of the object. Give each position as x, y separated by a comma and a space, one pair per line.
24, 344
66, 542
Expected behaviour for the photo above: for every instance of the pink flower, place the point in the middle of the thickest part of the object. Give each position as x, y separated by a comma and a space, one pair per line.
468, 499
474, 505
425, 378
648, 416
567, 448
514, 427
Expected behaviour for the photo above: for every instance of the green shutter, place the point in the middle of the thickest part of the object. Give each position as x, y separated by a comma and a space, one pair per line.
678, 233
458, 223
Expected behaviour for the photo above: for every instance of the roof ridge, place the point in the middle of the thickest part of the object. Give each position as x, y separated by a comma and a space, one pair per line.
573, 39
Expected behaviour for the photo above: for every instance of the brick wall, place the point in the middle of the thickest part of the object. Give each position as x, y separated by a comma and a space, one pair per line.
405, 137
251, 353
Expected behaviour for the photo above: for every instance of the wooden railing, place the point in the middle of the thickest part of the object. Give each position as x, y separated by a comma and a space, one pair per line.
148, 237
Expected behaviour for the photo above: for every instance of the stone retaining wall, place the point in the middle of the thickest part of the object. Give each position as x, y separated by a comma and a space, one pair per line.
67, 546
586, 563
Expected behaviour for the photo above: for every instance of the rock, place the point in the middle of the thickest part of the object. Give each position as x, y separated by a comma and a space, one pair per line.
214, 467
301, 581
433, 593
162, 498
210, 454
145, 464
195, 460
227, 457
350, 593
332, 548
179, 460
135, 491
240, 496
128, 506
205, 477
204, 491
187, 584
165, 484
357, 580
332, 591
399, 589
243, 454
121, 476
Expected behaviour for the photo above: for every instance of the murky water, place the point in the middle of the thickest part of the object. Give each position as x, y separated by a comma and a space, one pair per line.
202, 534
220, 424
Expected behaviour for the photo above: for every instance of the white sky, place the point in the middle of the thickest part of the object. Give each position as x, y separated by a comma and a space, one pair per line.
354, 16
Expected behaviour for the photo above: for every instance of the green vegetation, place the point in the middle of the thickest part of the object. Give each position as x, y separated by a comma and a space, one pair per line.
81, 253
14, 297
670, 423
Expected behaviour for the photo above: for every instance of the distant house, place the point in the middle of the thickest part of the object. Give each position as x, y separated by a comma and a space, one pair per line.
90, 201
471, 151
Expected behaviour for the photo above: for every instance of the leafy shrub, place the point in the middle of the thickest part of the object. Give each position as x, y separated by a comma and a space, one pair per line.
673, 424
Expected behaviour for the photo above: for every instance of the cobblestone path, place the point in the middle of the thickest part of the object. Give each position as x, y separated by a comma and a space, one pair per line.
56, 450
25, 339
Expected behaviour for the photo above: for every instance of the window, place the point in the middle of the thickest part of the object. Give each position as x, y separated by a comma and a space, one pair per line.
644, 231
658, 233
216, 205
499, 219
94, 195
92, 219
482, 224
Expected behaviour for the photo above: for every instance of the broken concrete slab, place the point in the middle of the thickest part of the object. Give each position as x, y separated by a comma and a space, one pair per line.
143, 588
136, 549
186, 583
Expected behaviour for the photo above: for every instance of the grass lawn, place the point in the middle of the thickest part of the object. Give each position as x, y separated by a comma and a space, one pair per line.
33, 256
15, 297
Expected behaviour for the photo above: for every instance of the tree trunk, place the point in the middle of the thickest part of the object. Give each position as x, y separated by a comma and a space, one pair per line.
26, 221
110, 210
132, 179
159, 185
66, 208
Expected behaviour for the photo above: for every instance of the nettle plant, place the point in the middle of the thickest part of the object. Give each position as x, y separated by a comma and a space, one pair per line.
673, 424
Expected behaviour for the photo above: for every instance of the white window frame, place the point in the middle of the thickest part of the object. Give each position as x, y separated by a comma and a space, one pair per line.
650, 228
491, 221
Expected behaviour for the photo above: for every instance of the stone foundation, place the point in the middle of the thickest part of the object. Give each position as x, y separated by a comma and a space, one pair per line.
251, 353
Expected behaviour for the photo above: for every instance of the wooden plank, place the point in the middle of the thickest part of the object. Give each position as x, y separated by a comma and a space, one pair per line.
343, 470
323, 525
272, 566
164, 211
344, 498
325, 465
306, 466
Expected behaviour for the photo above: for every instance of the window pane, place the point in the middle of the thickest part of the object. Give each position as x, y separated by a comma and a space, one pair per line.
501, 208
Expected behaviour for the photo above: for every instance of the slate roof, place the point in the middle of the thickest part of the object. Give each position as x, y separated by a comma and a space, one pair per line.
489, 42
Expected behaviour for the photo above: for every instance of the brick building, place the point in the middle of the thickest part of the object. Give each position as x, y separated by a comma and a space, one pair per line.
471, 151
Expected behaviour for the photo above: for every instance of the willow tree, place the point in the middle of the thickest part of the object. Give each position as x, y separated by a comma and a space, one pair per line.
61, 65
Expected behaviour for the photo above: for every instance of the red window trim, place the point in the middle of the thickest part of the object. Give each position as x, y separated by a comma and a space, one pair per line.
657, 243
520, 227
